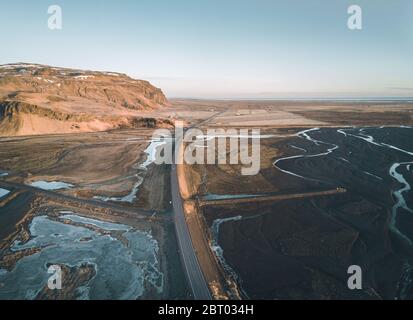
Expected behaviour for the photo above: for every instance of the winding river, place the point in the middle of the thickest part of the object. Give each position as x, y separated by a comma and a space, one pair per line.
397, 171
151, 153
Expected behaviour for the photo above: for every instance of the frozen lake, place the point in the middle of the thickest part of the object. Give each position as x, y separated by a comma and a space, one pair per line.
54, 185
123, 268
3, 192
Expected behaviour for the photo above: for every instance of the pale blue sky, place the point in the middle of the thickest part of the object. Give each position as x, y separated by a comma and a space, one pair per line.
224, 48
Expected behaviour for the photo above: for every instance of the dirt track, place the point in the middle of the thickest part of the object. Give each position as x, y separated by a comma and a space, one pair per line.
271, 198
137, 214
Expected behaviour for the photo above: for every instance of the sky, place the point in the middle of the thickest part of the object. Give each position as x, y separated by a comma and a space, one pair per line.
224, 48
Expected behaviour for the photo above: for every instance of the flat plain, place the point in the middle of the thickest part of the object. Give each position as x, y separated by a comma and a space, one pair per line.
333, 191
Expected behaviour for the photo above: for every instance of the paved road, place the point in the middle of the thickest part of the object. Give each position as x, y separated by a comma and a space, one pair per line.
199, 287
196, 279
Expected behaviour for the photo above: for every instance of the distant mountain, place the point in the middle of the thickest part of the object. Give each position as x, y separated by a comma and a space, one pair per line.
39, 99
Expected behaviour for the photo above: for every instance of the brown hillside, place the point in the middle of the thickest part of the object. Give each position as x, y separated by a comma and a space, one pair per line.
38, 99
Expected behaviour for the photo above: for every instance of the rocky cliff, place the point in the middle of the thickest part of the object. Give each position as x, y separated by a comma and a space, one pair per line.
39, 99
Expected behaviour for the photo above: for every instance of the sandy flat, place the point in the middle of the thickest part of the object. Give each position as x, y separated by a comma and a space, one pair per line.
264, 118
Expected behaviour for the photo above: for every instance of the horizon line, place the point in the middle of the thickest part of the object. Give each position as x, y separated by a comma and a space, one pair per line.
375, 99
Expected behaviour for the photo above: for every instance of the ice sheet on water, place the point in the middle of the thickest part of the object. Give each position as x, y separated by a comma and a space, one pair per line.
53, 185
122, 270
3, 192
